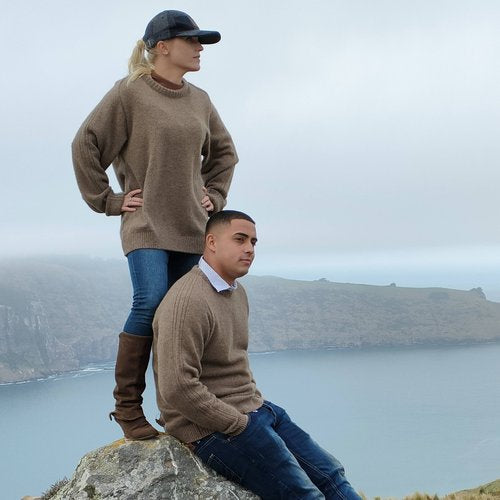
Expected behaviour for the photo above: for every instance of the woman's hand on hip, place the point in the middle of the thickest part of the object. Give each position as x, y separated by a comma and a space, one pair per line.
131, 201
206, 202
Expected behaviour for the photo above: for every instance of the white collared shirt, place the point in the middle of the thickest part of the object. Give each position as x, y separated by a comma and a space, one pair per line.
215, 280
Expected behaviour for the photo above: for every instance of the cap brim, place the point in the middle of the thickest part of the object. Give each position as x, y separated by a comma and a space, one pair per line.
205, 37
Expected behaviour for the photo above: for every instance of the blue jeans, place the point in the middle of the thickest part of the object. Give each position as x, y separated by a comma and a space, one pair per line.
276, 459
153, 272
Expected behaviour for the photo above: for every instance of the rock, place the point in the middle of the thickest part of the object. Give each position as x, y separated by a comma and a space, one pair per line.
155, 469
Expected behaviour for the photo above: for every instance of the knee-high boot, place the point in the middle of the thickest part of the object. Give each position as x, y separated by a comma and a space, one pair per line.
130, 375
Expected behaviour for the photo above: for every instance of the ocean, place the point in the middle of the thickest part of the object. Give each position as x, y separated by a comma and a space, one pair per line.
400, 419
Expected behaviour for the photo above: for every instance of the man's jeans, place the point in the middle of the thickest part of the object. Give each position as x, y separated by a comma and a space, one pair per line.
275, 458
153, 272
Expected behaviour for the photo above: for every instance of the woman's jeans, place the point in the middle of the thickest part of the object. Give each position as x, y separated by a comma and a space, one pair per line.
153, 272
276, 459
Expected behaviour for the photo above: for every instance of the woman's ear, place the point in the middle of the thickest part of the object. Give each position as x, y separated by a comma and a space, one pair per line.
162, 47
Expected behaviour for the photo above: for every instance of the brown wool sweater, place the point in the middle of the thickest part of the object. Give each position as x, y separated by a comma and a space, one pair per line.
204, 382
169, 143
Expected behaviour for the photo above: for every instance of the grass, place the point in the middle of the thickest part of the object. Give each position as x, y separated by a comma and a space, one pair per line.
490, 491
46, 495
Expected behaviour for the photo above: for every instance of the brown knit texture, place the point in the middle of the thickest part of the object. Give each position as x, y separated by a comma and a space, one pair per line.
204, 382
169, 143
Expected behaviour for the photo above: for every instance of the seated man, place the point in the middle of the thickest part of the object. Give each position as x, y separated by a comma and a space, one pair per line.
205, 389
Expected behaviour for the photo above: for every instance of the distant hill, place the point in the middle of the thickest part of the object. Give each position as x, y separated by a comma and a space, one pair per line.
58, 314
287, 314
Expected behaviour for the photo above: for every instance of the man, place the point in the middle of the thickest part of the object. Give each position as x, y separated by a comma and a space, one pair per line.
206, 392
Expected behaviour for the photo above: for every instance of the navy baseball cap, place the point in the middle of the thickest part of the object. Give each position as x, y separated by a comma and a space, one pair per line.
174, 23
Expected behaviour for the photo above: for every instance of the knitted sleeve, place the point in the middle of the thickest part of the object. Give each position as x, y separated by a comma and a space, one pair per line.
219, 161
183, 327
95, 146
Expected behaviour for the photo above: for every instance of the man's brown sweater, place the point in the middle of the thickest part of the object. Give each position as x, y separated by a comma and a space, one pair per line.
204, 382
169, 143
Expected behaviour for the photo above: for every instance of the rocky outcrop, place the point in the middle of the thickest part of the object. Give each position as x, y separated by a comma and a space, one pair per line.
158, 469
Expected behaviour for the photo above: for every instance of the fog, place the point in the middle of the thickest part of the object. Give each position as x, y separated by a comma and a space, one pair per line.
366, 129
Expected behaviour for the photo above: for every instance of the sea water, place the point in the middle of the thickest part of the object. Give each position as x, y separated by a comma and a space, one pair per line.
400, 420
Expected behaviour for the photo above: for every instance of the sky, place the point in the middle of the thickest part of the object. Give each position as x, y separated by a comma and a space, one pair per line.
366, 130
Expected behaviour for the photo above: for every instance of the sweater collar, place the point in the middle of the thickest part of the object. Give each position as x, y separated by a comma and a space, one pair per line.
215, 280
184, 90
167, 83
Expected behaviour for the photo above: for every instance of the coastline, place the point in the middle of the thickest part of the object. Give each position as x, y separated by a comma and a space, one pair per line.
98, 367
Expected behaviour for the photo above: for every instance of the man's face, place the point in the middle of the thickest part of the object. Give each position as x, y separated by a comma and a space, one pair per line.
230, 249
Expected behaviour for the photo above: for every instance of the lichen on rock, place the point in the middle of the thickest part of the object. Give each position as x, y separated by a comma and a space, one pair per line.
158, 469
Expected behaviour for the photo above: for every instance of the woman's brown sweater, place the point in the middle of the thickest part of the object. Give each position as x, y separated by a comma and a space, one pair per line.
169, 143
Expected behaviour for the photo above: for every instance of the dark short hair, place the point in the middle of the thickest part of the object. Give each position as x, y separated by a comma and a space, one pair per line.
225, 217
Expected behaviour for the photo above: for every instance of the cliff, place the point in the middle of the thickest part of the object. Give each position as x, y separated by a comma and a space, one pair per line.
58, 314
27, 347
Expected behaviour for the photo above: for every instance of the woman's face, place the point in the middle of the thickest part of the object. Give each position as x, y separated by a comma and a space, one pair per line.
184, 53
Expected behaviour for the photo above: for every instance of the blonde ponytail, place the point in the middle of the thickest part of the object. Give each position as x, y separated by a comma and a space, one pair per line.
140, 62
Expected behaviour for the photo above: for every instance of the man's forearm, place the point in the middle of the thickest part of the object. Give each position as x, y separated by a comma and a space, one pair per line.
197, 404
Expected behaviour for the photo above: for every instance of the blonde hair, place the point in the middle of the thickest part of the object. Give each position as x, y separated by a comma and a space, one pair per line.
141, 62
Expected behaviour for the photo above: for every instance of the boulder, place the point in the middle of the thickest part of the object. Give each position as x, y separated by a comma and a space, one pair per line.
155, 469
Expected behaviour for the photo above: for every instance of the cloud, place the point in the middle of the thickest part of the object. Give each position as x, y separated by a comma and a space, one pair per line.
361, 126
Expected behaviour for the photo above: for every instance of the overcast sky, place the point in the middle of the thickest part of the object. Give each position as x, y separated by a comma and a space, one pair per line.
367, 130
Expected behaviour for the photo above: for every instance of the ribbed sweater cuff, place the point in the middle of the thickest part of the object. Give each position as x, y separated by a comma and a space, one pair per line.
242, 424
114, 204
217, 200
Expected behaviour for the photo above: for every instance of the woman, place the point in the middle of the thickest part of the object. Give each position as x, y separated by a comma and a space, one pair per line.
174, 161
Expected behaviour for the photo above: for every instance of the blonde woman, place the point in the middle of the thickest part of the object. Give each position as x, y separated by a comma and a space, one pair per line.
174, 161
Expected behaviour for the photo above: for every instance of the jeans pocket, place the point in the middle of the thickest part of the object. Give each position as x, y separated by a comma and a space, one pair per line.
203, 443
270, 407
219, 466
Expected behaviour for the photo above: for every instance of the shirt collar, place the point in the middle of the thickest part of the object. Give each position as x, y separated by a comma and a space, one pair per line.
215, 280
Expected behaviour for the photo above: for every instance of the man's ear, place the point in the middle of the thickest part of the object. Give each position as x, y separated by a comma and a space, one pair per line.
210, 242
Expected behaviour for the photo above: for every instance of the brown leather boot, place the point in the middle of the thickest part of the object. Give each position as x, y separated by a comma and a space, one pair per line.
130, 375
